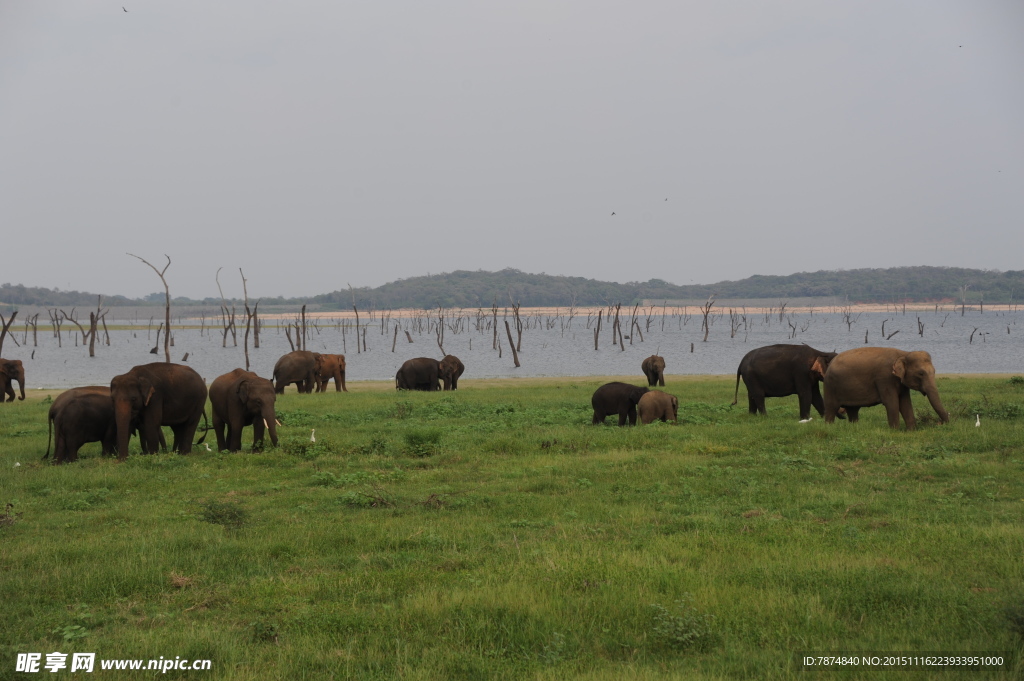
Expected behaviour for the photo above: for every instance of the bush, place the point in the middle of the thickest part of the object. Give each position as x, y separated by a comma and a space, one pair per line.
226, 513
423, 442
685, 629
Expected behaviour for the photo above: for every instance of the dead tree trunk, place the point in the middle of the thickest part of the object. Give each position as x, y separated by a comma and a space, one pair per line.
167, 304
6, 327
515, 355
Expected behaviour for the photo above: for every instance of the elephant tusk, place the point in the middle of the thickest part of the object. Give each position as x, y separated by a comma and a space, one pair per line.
265, 424
278, 422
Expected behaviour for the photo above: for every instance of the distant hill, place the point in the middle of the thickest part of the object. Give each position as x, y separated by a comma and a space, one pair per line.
467, 289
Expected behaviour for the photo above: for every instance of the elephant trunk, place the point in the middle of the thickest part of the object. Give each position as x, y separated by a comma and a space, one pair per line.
933, 399
123, 420
271, 420
21, 383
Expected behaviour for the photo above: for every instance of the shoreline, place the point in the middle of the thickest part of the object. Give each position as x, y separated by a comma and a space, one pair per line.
379, 385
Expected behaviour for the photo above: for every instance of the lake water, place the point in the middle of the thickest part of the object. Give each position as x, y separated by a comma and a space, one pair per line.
997, 346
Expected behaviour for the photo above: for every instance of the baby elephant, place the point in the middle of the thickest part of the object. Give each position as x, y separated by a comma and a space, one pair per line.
241, 398
78, 416
616, 398
657, 405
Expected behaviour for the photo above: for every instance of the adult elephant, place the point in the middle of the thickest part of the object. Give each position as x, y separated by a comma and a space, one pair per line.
421, 373
78, 416
153, 395
331, 366
617, 398
782, 370
449, 369
12, 370
654, 369
864, 377
300, 367
656, 404
240, 398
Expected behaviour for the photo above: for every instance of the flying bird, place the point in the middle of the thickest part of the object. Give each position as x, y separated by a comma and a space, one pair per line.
122, 7
613, 212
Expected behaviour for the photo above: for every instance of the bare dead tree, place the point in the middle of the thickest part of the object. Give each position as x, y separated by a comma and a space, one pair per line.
227, 316
597, 327
705, 310
439, 329
519, 325
394, 339
167, 302
920, 327
963, 299
515, 355
356, 310
6, 327
494, 313
302, 333
249, 316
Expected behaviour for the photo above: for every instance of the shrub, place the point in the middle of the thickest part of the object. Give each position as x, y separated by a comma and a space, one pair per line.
423, 442
687, 628
226, 513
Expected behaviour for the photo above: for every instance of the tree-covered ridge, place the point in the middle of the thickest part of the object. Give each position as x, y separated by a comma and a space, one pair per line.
463, 288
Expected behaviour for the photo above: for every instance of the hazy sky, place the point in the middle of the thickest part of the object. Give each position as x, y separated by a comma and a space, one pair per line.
317, 144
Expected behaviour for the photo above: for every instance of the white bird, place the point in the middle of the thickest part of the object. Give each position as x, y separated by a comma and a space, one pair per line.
807, 420
312, 436
16, 464
207, 445
977, 420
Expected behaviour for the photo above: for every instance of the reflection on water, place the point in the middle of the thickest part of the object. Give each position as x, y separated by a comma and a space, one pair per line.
996, 347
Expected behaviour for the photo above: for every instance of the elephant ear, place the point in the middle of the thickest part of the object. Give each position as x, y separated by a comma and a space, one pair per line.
147, 390
819, 367
243, 391
899, 368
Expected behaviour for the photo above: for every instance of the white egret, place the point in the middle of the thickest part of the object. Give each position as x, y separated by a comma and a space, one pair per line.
312, 435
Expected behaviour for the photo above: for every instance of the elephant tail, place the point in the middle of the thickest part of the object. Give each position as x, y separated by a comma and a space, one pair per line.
736, 395
206, 429
49, 435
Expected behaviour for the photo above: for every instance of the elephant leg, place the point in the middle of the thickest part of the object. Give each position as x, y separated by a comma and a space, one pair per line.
186, 435
218, 430
661, 379
631, 413
907, 410
831, 409
455, 382
853, 414
258, 430
235, 436
623, 416
804, 397
599, 417
816, 401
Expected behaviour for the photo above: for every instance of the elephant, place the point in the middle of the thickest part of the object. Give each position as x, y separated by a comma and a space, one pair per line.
331, 366
654, 369
153, 395
12, 370
420, 373
617, 398
300, 367
77, 416
240, 398
449, 369
864, 377
781, 370
655, 404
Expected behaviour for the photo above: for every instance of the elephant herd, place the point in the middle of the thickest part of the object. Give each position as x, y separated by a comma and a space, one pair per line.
148, 397
862, 377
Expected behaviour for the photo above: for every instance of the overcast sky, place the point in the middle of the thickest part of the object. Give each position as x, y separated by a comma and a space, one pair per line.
317, 144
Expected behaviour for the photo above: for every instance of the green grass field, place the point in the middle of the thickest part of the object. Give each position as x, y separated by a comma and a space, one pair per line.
493, 533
